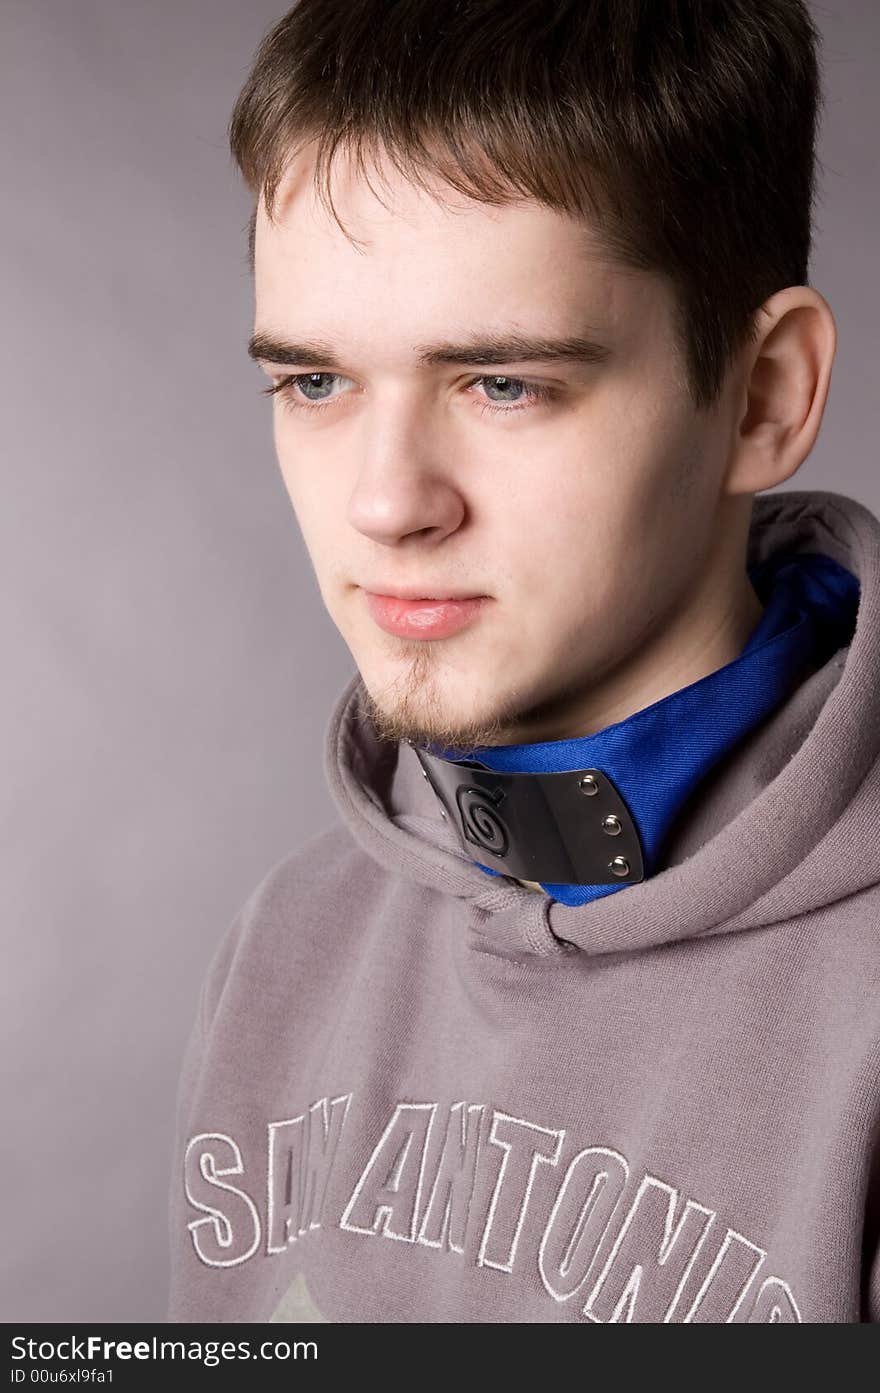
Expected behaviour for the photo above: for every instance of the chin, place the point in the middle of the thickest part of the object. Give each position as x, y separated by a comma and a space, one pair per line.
420, 708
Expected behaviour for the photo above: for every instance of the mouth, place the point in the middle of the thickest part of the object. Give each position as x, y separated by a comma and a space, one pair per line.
424, 616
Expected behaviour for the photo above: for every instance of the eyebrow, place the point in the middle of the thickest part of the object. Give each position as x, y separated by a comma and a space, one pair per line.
483, 350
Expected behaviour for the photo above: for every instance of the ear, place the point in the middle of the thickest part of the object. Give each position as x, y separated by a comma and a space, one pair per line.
783, 382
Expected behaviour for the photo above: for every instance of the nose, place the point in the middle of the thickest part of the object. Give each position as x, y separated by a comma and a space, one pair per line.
404, 483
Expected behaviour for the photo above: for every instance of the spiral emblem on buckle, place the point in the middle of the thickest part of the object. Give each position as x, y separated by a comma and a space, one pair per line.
480, 821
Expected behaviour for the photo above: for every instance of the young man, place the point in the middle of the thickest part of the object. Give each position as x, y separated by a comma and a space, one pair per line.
574, 1015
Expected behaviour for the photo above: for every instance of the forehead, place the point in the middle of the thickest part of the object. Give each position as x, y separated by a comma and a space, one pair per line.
407, 258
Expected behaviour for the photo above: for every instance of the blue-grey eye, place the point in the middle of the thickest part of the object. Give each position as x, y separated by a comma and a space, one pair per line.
309, 380
506, 383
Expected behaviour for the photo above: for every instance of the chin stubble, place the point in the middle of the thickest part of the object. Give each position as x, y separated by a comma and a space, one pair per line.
411, 709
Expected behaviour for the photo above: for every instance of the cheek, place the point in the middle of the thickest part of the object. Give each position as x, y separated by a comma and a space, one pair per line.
654, 476
612, 525
582, 501
313, 486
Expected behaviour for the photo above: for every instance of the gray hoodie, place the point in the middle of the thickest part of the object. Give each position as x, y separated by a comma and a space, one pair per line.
414, 1092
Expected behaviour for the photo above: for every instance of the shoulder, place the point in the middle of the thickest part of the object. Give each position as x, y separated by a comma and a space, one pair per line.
304, 896
320, 866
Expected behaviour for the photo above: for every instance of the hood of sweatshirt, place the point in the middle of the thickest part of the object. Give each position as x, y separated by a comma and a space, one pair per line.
786, 820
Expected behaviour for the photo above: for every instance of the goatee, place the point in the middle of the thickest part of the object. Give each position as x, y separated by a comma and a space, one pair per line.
411, 710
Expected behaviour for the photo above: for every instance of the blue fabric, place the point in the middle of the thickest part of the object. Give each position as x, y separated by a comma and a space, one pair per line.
657, 756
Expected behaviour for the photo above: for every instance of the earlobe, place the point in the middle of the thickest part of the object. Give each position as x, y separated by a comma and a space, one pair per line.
785, 381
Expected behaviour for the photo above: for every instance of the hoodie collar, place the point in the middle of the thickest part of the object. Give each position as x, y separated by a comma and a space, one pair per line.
760, 837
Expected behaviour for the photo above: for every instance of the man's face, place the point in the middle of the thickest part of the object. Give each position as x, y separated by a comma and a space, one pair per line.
582, 499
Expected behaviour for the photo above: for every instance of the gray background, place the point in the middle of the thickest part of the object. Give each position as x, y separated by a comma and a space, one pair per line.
169, 665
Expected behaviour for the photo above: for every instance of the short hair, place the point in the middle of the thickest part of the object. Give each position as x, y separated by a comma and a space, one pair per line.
683, 131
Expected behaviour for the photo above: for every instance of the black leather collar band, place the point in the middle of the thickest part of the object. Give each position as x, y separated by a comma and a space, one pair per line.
569, 828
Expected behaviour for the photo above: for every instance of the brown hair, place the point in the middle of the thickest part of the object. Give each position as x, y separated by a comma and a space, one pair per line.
684, 130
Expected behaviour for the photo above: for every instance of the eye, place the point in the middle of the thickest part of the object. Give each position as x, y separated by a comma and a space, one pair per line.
504, 385
305, 388
526, 394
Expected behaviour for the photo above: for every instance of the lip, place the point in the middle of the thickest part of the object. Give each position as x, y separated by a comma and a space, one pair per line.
424, 617
397, 592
